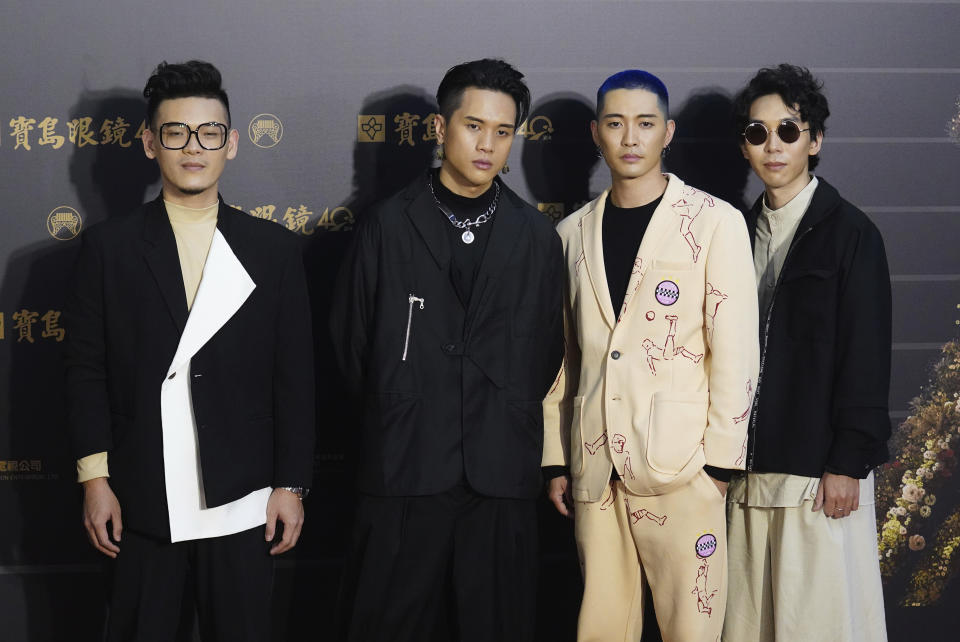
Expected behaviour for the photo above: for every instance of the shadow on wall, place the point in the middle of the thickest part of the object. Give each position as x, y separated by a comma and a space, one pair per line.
108, 180
307, 601
557, 165
704, 152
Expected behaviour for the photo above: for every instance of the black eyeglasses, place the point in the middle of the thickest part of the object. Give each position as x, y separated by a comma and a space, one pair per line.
211, 136
788, 131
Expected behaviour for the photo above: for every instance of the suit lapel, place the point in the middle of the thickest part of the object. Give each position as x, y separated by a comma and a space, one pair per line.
223, 289
662, 222
161, 256
592, 230
508, 227
422, 212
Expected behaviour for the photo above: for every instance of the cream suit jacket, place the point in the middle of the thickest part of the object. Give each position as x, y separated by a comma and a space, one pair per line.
667, 385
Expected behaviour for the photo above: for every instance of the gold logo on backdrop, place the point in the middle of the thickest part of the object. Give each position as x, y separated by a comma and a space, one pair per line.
371, 128
265, 130
537, 128
553, 211
64, 223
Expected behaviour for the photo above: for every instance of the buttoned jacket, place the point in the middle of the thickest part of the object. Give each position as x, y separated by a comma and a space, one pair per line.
251, 383
664, 385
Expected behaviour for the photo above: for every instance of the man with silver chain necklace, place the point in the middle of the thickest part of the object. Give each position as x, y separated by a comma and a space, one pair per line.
447, 325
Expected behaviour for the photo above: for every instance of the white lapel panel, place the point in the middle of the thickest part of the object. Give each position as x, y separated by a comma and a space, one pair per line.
224, 286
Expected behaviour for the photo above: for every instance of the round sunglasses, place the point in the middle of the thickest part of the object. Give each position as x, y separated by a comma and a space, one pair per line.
788, 131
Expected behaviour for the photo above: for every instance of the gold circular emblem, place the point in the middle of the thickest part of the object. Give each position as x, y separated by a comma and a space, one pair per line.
265, 130
64, 223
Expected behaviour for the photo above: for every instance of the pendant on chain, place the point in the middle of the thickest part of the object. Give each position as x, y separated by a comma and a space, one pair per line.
467, 237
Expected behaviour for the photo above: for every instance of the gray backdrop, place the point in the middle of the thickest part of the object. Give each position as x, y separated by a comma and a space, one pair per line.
333, 101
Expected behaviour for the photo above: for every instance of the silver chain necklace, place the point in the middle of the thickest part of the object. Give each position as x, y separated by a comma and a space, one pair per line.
465, 225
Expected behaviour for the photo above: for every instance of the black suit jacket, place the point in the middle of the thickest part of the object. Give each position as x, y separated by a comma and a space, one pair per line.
252, 383
449, 390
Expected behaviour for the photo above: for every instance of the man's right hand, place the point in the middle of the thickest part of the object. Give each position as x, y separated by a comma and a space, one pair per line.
559, 490
100, 506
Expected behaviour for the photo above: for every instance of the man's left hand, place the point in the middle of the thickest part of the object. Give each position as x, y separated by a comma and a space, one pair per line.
285, 507
837, 495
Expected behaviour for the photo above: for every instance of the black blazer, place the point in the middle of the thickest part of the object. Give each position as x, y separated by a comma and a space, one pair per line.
821, 399
449, 390
254, 396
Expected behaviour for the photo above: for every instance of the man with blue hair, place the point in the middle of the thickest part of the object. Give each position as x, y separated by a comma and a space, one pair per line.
646, 421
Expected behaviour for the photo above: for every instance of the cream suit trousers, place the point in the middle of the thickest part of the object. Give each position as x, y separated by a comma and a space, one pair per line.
675, 542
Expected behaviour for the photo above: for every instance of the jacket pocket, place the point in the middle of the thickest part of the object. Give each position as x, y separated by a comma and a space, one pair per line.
673, 266
675, 430
809, 297
412, 300
576, 437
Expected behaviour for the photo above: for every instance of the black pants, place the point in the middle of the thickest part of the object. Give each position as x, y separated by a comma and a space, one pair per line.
453, 566
230, 577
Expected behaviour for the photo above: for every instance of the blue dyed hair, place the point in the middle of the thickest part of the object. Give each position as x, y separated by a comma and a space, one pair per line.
635, 79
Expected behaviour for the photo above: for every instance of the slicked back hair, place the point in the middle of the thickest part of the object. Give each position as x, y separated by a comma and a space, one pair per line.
635, 79
194, 78
798, 89
488, 73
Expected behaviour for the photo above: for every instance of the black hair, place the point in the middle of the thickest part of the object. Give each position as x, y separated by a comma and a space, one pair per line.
194, 78
635, 79
495, 75
798, 89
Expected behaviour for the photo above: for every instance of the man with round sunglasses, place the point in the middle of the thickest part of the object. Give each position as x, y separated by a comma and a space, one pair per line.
190, 393
801, 525
645, 424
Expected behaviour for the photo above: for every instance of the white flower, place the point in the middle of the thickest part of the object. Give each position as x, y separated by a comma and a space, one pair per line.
900, 510
929, 455
903, 531
912, 493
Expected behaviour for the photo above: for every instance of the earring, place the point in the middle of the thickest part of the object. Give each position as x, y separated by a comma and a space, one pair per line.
665, 152
599, 152
505, 169
438, 153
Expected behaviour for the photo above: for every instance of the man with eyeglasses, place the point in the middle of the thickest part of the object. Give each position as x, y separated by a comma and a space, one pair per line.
190, 384
802, 536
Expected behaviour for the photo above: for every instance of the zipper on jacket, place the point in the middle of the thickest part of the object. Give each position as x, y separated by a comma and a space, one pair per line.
411, 299
763, 352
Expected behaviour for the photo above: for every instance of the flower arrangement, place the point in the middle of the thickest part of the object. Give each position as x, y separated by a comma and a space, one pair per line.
908, 508
953, 126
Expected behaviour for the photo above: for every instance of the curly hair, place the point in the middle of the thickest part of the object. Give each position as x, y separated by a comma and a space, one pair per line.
488, 73
796, 86
194, 78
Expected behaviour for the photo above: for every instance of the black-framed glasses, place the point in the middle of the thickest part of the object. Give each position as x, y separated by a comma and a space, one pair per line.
211, 136
788, 131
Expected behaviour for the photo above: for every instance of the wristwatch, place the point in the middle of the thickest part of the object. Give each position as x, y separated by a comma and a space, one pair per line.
299, 491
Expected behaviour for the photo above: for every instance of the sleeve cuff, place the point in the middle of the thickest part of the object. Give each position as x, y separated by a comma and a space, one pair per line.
92, 466
552, 472
720, 474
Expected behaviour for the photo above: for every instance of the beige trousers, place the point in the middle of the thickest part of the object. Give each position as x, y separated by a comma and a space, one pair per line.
796, 575
675, 542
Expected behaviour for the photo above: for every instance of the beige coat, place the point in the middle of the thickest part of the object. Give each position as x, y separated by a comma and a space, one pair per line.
668, 387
